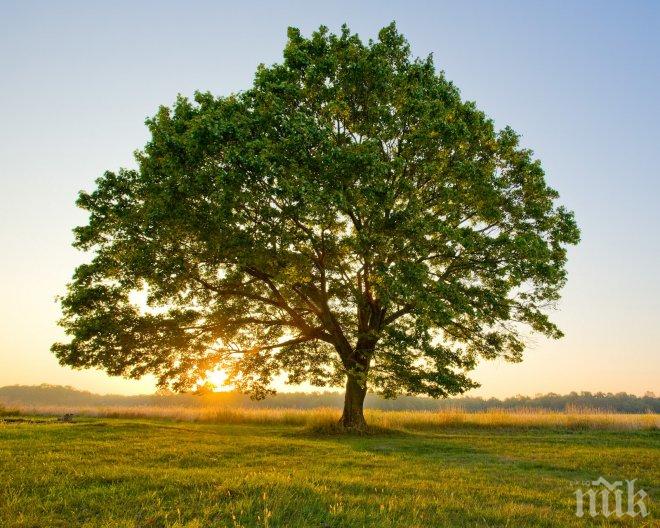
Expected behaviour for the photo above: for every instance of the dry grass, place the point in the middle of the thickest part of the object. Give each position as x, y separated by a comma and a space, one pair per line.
324, 419
4, 411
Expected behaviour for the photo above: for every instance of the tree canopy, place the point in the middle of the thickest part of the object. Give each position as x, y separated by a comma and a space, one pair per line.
348, 217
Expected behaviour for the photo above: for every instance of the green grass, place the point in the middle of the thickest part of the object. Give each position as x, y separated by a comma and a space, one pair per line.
142, 473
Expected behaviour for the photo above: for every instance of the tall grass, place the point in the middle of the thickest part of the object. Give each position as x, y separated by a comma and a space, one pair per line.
4, 411
325, 418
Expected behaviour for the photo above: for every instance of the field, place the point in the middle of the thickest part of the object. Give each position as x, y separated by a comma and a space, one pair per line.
236, 469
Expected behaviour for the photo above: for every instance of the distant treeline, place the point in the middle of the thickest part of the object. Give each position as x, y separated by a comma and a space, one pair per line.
57, 395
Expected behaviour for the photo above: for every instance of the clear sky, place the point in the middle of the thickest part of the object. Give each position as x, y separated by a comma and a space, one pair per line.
579, 81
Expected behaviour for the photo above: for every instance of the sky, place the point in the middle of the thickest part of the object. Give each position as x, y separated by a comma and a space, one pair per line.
578, 81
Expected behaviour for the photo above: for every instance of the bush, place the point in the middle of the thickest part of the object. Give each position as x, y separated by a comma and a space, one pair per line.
4, 411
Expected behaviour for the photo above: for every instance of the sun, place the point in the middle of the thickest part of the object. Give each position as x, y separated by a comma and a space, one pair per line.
217, 378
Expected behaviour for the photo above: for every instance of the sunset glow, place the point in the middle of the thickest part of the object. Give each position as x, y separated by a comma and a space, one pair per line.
218, 379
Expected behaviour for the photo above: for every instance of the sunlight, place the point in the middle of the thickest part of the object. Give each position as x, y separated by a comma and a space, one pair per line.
218, 379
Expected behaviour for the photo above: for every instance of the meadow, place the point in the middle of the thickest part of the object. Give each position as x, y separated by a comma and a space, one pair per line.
289, 468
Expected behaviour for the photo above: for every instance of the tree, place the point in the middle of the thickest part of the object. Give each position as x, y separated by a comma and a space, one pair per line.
348, 219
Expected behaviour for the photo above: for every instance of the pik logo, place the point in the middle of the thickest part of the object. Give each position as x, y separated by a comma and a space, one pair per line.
610, 498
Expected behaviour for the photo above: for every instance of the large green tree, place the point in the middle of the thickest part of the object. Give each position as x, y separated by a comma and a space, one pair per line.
348, 219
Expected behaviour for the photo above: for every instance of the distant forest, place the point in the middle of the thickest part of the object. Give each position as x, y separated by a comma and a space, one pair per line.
57, 395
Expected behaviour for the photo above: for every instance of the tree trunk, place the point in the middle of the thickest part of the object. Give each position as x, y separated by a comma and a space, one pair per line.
353, 416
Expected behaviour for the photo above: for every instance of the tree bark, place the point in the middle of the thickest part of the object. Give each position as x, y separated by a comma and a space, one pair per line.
353, 415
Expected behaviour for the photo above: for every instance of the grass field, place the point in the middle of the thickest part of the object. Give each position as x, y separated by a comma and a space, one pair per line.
286, 472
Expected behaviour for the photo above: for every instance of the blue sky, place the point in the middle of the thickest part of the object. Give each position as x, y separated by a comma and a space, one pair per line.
579, 81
